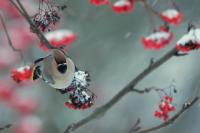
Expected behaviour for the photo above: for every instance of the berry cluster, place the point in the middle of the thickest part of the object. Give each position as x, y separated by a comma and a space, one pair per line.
158, 39
21, 74
123, 6
99, 2
120, 6
48, 15
80, 97
190, 41
44, 20
165, 107
59, 38
172, 16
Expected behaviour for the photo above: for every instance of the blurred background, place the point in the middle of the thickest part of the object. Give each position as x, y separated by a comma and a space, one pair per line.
109, 46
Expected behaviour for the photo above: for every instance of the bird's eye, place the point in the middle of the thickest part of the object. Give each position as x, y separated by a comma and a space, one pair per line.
62, 68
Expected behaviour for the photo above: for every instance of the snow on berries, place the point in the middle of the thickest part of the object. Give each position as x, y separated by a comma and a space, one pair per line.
99, 2
123, 6
21, 74
172, 16
47, 16
189, 41
59, 38
158, 39
80, 97
46, 20
165, 107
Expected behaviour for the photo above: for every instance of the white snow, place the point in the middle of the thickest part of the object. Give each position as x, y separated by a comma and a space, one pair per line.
21, 69
170, 13
121, 3
158, 36
80, 78
59, 34
193, 35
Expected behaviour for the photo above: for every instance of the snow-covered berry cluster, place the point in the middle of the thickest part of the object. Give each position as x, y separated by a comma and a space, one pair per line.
119, 6
21, 74
158, 39
59, 38
80, 97
165, 107
172, 16
189, 41
48, 15
123, 6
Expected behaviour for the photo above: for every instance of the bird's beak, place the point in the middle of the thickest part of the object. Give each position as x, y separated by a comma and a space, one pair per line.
59, 57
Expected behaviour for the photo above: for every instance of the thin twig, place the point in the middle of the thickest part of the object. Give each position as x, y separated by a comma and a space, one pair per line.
151, 12
24, 13
100, 111
136, 126
147, 90
185, 107
9, 39
5, 127
175, 5
149, 8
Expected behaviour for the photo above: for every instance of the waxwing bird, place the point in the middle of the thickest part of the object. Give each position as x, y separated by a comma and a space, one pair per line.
57, 69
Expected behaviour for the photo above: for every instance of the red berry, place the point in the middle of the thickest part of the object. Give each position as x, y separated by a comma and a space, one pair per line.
99, 2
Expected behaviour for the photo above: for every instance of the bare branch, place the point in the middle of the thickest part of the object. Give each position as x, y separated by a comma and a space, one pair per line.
24, 13
175, 5
185, 107
100, 111
147, 90
9, 39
